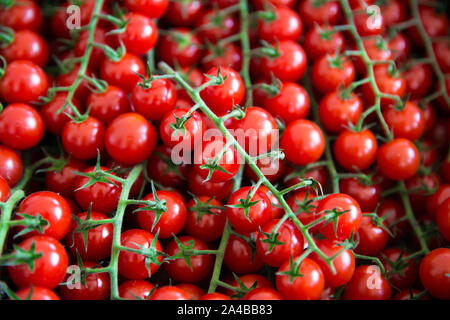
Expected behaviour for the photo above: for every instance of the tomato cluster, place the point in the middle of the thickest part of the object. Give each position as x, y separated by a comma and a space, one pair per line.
327, 175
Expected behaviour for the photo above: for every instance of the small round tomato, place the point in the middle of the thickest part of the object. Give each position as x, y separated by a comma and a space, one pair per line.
255, 216
97, 54
336, 111
433, 202
263, 294
169, 292
140, 34
27, 45
11, 166
23, 15
393, 12
180, 47
305, 148
214, 25
294, 176
154, 102
200, 187
327, 12
23, 82
348, 221
102, 196
435, 24
230, 55
130, 138
169, 222
21, 126
36, 293
223, 97
53, 208
400, 46
161, 168
270, 250
434, 270
229, 162
356, 150
331, 72
192, 290
97, 286
393, 214
54, 121
69, 78
135, 289
372, 238
344, 263
205, 219
183, 14
291, 103
200, 265
309, 286
62, 181
49, 270
401, 271
303, 205
150, 8
398, 159
368, 284
240, 257
322, 40
365, 27
443, 219
408, 123
286, 25
249, 280
123, 74
367, 194
214, 296
441, 52
99, 239
5, 190
83, 140
420, 186
133, 265
109, 104
271, 168
290, 65
418, 80
377, 49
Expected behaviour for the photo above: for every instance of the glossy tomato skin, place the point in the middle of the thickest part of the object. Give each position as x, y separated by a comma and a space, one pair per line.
97, 286
170, 222
25, 15
183, 15
249, 280
393, 12
368, 284
63, 181
5, 190
303, 207
288, 234
331, 72
102, 196
67, 79
83, 140
140, 34
335, 112
130, 138
258, 214
433, 202
291, 103
108, 105
328, 12
230, 55
169, 293
347, 223
23, 82
443, 219
97, 54
150, 8
37, 293
344, 263
263, 294
377, 49
307, 287
372, 238
214, 296
54, 122
213, 32
21, 126
421, 183
198, 186
53, 208
408, 123
366, 29
407, 269
11, 166
418, 80
184, 54
394, 214
434, 269
239, 258
49, 269
131, 289
154, 102
27, 45
305, 148
398, 159
435, 24
367, 195
123, 73
286, 26
179, 270
322, 40
356, 150
99, 239
222, 98
161, 168
132, 265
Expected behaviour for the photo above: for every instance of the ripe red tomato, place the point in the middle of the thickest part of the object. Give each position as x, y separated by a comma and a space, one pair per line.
240, 257
408, 123
263, 294
140, 34
97, 54
257, 215
49, 269
192, 290
68, 79
200, 187
305, 148
169, 292
433, 202
394, 214
103, 197
393, 12
205, 219
368, 284
435, 24
135, 289
272, 169
287, 25
108, 105
418, 80
183, 14
368, 195
336, 111
99, 239
443, 219
309, 286
37, 293
210, 31
347, 223
11, 166
372, 238
54, 121
122, 74
365, 27
169, 222
401, 271
249, 280
161, 168
260, 4
133, 265
22, 15
356, 150
378, 49
441, 52
27, 45
214, 296
230, 55
325, 13
410, 294
304, 207
400, 46
180, 47
84, 139
398, 159
53, 208
434, 270
179, 270
5, 190
63, 181
97, 286
222, 98
331, 72
23, 82
320, 41
274, 253
150, 8
21, 126
421, 183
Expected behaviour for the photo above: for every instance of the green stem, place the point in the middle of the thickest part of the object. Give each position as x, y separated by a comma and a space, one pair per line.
6, 214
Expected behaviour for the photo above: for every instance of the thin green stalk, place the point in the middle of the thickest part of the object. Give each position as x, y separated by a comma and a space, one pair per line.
6, 211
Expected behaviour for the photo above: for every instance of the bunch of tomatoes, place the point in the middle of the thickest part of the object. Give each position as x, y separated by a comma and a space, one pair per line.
349, 199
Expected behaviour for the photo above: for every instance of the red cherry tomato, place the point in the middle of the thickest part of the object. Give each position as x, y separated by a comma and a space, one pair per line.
336, 111
322, 40
135, 289
368, 284
150, 8
367, 194
83, 140
54, 121
325, 13
22, 15
398, 159
331, 72
108, 105
37, 293
401, 271
180, 47
372, 238
5, 190
286, 25
434, 270
212, 31
140, 34
161, 168
418, 80
408, 123
27, 45
11, 166
443, 219
183, 14
240, 257
200, 187
192, 290
122, 74
263, 294
214, 296
169, 292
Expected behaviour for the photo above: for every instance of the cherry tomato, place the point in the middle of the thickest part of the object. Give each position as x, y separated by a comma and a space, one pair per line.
183, 14
377, 49
5, 190
336, 111
286, 25
398, 159
180, 47
368, 284
150, 8
214, 25
135, 289
434, 270
97, 54
401, 271
400, 46
109, 104
11, 166
62, 181
260, 4
37, 293
230, 55
240, 257
372, 238
249, 280
325, 13
441, 52
418, 80
49, 270
22, 15
67, 79
200, 187
303, 205
132, 265
435, 24
443, 219
366, 28
214, 296
123, 73
192, 290
410, 294
169, 292
140, 34
54, 121
161, 168
272, 169
408, 123
323, 40
433, 202
263, 294
367, 194
27, 45
394, 214
331, 72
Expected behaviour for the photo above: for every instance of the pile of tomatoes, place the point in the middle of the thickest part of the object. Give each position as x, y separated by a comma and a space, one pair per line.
357, 201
